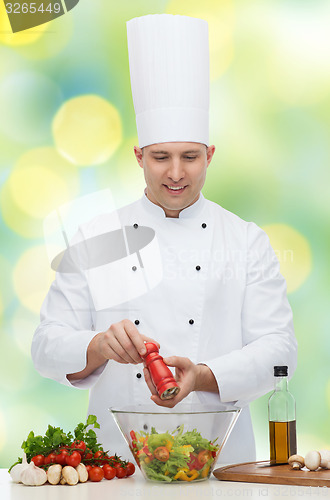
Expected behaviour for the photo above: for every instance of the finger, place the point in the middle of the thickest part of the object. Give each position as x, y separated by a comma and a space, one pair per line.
125, 334
109, 353
115, 357
177, 361
149, 381
136, 338
148, 339
122, 347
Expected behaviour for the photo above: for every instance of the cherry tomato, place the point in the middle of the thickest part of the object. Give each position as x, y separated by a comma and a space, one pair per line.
88, 468
120, 472
109, 472
162, 454
101, 457
96, 474
88, 454
50, 459
79, 446
115, 460
38, 460
203, 456
74, 459
61, 457
130, 469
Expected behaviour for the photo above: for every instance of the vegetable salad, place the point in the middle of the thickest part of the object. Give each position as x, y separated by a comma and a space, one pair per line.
175, 456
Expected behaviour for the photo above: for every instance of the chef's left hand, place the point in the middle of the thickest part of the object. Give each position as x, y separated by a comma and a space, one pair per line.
190, 377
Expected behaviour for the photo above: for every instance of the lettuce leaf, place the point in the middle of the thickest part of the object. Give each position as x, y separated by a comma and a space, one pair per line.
156, 440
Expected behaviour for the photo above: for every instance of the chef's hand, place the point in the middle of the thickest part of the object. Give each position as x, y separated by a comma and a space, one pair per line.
189, 377
122, 342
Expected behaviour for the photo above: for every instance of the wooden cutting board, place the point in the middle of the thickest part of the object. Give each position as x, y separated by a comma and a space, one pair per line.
261, 472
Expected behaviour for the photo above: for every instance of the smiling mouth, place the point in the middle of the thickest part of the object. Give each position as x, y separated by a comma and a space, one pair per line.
175, 189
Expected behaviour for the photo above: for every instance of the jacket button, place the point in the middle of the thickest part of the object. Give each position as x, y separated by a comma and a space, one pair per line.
134, 268
138, 375
203, 225
137, 322
135, 226
198, 268
191, 322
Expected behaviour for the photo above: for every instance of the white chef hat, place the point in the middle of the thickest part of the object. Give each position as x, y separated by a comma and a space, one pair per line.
169, 69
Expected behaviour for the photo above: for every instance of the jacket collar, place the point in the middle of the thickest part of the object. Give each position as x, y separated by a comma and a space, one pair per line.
189, 212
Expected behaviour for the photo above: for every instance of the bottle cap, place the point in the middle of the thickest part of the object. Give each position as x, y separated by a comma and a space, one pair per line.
280, 371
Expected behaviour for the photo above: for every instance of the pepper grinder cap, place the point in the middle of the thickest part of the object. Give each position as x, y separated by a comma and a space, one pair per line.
280, 371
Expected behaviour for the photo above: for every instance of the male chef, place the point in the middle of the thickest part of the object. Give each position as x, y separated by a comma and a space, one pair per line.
197, 280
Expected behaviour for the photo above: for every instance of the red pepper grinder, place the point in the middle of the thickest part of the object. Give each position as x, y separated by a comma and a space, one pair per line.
161, 375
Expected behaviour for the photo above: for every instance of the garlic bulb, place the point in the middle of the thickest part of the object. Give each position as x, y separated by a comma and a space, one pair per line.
33, 476
16, 471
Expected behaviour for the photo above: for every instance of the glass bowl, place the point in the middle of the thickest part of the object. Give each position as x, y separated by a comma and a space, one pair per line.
180, 444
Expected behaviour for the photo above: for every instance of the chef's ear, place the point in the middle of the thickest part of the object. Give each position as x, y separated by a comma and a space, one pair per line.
139, 155
209, 153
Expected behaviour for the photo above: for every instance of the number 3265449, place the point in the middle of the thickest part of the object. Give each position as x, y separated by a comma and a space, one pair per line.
32, 8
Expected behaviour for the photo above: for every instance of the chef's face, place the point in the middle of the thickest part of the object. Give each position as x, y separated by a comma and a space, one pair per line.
174, 173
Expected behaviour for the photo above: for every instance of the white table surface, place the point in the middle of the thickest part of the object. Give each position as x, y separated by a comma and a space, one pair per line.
136, 487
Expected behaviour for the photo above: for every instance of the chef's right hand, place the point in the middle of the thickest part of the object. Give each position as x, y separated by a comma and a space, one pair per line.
122, 342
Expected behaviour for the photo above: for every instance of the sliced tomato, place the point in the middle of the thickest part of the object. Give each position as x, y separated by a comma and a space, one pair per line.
203, 456
162, 454
194, 462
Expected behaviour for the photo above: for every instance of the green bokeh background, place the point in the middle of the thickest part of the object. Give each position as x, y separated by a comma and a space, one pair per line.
270, 116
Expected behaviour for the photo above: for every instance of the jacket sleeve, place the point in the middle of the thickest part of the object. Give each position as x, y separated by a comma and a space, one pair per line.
60, 343
267, 328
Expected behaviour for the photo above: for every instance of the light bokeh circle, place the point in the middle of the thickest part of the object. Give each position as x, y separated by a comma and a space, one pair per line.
43, 184
26, 37
293, 252
40, 181
28, 101
298, 64
32, 277
220, 18
16, 219
87, 130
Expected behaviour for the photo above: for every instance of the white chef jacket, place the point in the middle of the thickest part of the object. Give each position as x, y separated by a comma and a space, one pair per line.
221, 301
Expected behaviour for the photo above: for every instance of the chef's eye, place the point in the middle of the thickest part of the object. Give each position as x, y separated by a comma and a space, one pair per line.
190, 158
160, 157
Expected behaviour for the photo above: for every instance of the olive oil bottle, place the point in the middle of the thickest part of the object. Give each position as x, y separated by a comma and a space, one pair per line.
282, 419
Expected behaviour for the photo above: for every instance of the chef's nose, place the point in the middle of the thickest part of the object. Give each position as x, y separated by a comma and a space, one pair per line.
175, 170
